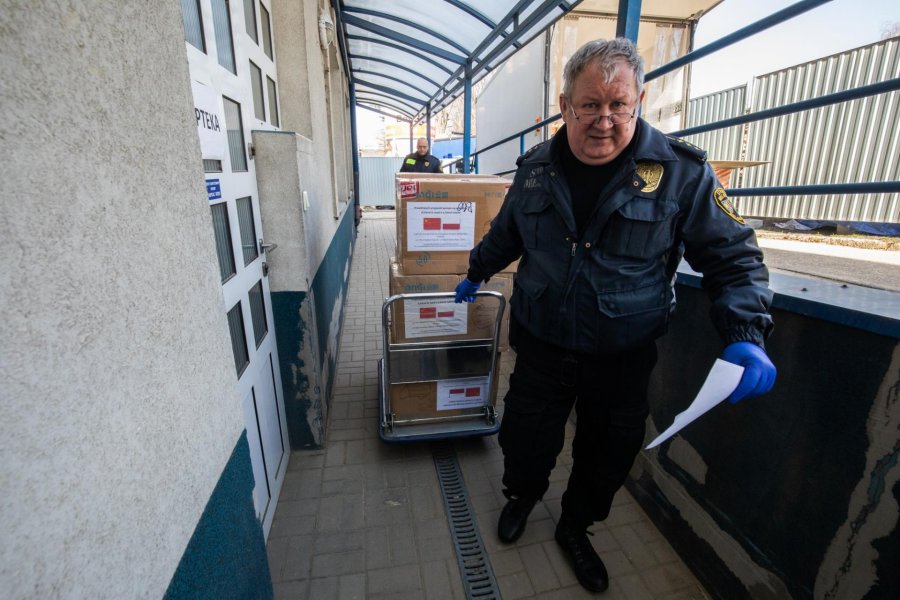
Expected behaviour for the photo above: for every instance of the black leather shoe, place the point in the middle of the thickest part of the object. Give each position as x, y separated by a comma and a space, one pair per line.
588, 567
513, 519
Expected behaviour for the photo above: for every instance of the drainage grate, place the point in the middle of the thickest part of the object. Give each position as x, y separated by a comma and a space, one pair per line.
474, 565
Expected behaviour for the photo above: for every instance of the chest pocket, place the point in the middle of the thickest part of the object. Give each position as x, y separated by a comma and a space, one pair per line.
538, 219
640, 228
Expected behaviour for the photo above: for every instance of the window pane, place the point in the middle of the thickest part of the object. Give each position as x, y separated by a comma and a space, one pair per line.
259, 107
258, 313
238, 339
211, 165
250, 19
222, 27
235, 129
266, 31
273, 103
193, 24
248, 229
223, 240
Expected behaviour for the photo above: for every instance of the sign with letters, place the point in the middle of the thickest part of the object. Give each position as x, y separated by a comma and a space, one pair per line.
210, 122
213, 189
441, 226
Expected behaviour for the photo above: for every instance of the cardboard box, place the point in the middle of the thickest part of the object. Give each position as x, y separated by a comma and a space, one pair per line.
442, 398
441, 218
440, 319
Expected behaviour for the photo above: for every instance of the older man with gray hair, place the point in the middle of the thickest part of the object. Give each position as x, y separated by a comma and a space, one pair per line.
600, 216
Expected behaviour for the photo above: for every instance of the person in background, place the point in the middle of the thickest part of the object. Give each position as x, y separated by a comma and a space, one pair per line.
420, 161
600, 217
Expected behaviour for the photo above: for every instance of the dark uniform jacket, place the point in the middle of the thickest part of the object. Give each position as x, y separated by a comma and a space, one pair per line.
413, 163
612, 288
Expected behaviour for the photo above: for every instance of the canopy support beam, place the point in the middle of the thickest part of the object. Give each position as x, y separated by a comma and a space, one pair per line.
629, 19
467, 118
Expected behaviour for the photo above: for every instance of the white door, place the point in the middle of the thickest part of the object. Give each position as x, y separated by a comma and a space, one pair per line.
232, 67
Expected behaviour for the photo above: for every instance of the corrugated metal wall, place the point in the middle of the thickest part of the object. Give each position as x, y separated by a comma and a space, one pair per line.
376, 179
855, 141
724, 144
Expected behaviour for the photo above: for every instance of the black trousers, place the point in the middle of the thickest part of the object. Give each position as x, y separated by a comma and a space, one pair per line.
609, 394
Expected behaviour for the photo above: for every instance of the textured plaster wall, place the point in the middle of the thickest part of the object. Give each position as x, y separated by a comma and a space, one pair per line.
283, 162
119, 401
281, 208
304, 100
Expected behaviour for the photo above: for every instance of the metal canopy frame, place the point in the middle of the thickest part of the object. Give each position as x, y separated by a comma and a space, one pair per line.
444, 45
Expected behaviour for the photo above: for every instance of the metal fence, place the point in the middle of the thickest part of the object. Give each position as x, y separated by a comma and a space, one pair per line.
376, 179
722, 144
854, 141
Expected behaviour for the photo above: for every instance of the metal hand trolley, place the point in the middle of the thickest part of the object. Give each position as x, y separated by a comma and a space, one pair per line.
439, 362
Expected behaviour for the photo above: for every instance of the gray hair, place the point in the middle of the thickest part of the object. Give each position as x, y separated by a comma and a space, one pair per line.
606, 55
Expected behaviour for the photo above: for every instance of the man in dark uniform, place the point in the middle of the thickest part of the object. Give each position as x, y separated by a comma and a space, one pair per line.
600, 216
420, 161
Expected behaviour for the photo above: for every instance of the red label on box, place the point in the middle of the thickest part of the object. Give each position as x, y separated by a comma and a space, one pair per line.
473, 392
427, 312
451, 226
445, 314
431, 224
409, 189
457, 391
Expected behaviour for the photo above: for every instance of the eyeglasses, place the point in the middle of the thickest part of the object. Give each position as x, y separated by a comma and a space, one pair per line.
592, 118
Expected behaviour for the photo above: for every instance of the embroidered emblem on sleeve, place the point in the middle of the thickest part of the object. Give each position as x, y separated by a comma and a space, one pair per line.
651, 173
725, 204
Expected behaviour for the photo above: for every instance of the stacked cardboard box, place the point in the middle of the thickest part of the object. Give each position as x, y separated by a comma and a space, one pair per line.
441, 318
440, 218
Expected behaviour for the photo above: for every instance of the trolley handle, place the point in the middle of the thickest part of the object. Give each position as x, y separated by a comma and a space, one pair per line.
484, 294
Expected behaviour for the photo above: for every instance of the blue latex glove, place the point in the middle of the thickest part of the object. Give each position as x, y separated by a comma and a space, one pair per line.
465, 291
759, 372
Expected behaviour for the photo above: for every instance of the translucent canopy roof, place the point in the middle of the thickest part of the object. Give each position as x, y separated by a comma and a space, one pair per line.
405, 56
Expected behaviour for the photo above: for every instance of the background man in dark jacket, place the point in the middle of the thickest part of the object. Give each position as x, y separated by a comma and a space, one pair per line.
420, 161
601, 215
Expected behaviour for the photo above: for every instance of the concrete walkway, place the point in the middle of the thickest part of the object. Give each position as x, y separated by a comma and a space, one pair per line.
365, 519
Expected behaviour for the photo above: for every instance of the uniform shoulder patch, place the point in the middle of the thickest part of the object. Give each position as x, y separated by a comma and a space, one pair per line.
725, 204
695, 151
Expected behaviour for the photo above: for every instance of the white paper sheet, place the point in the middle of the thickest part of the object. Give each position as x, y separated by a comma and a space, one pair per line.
462, 393
434, 317
443, 226
722, 379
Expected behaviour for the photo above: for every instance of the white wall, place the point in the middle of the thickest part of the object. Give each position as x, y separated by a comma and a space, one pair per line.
510, 102
119, 399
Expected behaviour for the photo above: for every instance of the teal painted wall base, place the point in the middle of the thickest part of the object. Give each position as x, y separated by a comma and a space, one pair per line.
801, 485
226, 556
329, 287
298, 359
308, 339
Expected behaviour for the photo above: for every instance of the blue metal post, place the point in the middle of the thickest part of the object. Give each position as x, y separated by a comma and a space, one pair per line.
428, 124
629, 19
467, 119
354, 146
